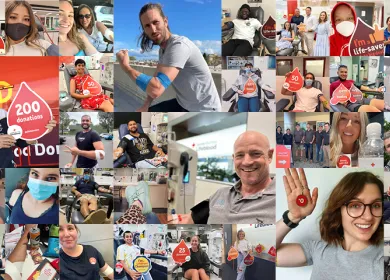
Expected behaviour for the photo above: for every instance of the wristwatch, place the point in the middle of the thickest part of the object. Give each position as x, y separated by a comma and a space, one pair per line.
287, 221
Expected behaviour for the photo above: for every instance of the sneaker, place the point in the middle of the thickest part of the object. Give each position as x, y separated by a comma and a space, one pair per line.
141, 193
96, 217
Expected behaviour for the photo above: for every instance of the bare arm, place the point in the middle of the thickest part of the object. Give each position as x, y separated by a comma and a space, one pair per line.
133, 274
73, 91
111, 276
75, 191
325, 102
89, 48
284, 90
20, 252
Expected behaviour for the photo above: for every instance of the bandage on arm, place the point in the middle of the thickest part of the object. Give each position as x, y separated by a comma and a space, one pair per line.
108, 271
107, 34
144, 80
99, 154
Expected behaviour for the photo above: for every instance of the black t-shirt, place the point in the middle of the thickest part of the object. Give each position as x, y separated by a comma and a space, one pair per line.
319, 137
287, 139
84, 141
86, 187
85, 267
326, 137
198, 260
138, 148
279, 138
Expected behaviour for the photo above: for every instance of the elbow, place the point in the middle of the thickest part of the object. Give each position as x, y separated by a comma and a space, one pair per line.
156, 89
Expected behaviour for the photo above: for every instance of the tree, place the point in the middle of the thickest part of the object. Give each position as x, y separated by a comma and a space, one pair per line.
106, 120
132, 58
65, 121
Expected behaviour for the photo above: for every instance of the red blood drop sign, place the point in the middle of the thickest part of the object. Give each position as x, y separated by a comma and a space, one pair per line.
30, 112
232, 254
249, 87
181, 253
294, 81
340, 95
248, 260
92, 86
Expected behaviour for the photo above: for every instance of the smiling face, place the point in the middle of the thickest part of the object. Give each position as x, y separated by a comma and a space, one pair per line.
297, 13
68, 236
80, 68
85, 17
129, 238
287, 25
244, 13
85, 122
308, 11
194, 242
132, 126
323, 16
362, 228
349, 127
66, 17
154, 26
241, 235
342, 73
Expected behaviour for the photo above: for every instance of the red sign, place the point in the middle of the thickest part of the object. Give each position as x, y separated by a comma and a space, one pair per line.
232, 254
2, 46
269, 28
259, 248
30, 112
90, 85
366, 41
356, 94
340, 95
181, 253
283, 156
248, 260
344, 161
301, 200
249, 87
272, 251
294, 81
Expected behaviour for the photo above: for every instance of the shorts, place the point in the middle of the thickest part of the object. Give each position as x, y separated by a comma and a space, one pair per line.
87, 197
354, 107
94, 102
299, 146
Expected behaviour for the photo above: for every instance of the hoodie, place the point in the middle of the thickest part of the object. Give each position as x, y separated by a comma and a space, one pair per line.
338, 41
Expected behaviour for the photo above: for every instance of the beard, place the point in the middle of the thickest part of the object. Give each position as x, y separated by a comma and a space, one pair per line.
85, 126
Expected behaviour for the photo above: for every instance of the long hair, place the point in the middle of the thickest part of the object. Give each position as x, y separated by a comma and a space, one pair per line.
336, 144
289, 29
326, 17
73, 33
238, 236
348, 188
143, 40
76, 16
32, 36
197, 236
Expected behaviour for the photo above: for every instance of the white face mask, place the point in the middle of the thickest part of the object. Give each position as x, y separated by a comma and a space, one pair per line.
345, 28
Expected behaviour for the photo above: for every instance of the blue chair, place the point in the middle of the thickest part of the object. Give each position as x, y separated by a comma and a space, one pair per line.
124, 160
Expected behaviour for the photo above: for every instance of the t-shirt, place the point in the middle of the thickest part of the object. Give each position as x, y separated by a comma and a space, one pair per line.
309, 136
326, 137
86, 266
21, 49
138, 148
298, 135
95, 38
287, 139
297, 20
86, 187
244, 29
196, 91
319, 136
334, 85
84, 141
387, 37
279, 138
199, 259
128, 254
334, 263
248, 84
243, 246
307, 99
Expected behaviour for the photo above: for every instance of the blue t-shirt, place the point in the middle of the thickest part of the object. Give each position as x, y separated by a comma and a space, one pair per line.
86, 187
387, 36
297, 20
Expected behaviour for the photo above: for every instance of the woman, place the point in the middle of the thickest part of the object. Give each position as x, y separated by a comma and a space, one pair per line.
286, 37
36, 198
243, 247
21, 32
387, 37
323, 32
71, 41
351, 228
92, 29
199, 265
347, 135
80, 261
279, 136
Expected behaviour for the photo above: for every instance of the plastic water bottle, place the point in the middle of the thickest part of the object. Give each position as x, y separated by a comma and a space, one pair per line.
371, 153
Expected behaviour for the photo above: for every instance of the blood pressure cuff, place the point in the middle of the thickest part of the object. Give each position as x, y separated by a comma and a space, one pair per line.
200, 212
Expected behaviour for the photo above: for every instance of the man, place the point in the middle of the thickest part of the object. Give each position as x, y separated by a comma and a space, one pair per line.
307, 97
89, 147
138, 146
288, 138
180, 63
297, 19
309, 140
319, 142
84, 190
308, 36
325, 145
127, 252
252, 198
298, 140
375, 105
241, 44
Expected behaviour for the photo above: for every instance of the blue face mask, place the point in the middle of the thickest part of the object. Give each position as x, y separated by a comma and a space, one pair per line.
41, 190
247, 70
86, 177
308, 82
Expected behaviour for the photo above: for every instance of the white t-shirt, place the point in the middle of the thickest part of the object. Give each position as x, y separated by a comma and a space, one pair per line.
243, 246
128, 254
307, 99
96, 38
22, 49
245, 29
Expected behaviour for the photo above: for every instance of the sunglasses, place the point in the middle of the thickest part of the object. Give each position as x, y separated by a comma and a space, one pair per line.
87, 16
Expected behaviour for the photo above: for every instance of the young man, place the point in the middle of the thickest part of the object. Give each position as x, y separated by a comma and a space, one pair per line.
298, 140
325, 145
180, 63
319, 143
89, 147
308, 36
309, 140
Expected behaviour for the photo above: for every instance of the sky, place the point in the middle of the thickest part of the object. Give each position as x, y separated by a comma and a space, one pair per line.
199, 20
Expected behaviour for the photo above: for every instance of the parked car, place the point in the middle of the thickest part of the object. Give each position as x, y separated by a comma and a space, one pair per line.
106, 136
105, 15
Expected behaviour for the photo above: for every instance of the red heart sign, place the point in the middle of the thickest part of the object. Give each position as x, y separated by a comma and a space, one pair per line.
343, 161
366, 41
92, 86
356, 94
272, 251
233, 253
248, 260
30, 112
294, 81
340, 95
249, 87
181, 253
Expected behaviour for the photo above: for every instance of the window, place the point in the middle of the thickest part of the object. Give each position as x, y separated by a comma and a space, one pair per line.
315, 66
283, 66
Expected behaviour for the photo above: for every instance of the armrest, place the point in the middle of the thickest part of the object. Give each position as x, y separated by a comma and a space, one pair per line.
228, 95
282, 104
269, 94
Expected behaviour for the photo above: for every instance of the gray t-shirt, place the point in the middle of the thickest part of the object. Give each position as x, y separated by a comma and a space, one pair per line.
196, 91
298, 135
334, 263
309, 135
227, 206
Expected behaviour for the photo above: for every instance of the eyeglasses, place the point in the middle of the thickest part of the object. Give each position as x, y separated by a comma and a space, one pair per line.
87, 16
356, 209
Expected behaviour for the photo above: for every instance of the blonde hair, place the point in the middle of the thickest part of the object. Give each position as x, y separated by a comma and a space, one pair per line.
32, 35
73, 34
238, 236
336, 144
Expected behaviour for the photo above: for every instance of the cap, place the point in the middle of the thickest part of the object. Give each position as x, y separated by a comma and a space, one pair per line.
373, 128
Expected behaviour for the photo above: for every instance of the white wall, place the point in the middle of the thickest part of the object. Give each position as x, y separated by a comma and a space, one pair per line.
308, 229
234, 6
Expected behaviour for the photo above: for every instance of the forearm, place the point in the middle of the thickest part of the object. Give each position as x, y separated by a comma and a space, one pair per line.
103, 190
20, 252
148, 101
73, 158
125, 267
79, 96
286, 91
88, 154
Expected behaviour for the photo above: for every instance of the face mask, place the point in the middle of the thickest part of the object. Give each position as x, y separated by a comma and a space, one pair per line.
41, 190
16, 31
345, 28
308, 82
86, 177
247, 70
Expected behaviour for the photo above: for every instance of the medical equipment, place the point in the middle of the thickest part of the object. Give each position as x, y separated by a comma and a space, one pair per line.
159, 127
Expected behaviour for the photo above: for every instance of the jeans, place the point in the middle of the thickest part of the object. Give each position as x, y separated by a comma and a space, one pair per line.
241, 267
248, 104
307, 147
319, 157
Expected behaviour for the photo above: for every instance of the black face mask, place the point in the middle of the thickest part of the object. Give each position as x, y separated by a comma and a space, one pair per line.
16, 31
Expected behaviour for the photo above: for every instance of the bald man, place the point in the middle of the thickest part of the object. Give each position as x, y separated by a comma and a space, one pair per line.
252, 199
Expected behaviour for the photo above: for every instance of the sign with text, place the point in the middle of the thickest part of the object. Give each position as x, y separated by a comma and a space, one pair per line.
366, 41
294, 81
232, 254
269, 28
344, 161
90, 86
142, 264
181, 253
283, 156
340, 95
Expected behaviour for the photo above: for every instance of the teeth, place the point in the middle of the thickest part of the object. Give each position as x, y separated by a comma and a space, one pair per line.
248, 170
348, 134
66, 26
362, 226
